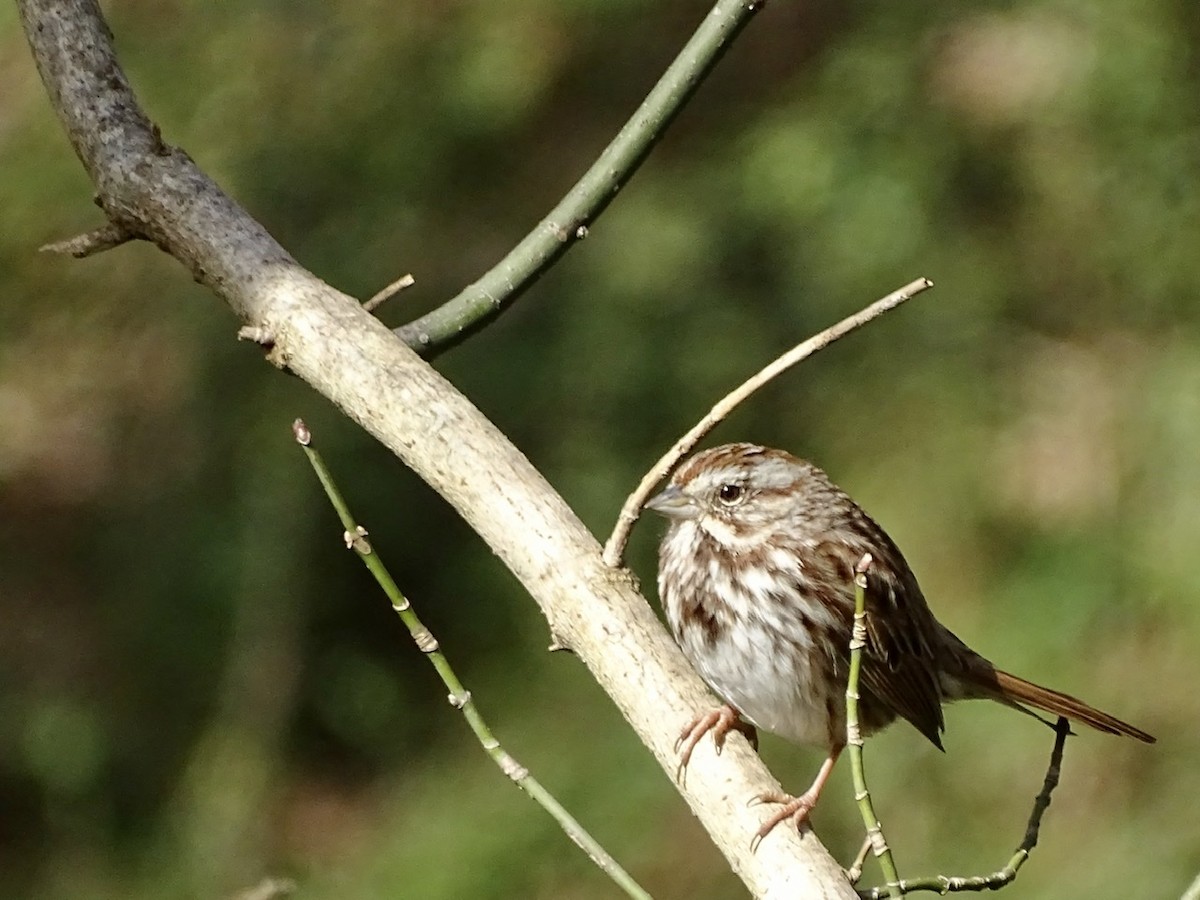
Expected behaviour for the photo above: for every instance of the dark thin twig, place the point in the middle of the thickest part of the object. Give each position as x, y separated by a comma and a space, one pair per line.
943, 884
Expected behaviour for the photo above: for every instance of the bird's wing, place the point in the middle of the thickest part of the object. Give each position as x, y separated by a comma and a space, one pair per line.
899, 666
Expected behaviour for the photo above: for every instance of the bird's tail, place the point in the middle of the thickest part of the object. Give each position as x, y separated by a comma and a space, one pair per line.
988, 681
971, 676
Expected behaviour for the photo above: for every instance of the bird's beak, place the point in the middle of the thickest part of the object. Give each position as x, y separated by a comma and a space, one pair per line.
674, 504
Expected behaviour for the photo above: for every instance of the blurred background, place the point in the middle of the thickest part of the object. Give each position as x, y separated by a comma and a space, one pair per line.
200, 687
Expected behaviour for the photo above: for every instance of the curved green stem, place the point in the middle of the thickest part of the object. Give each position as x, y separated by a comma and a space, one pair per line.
479, 303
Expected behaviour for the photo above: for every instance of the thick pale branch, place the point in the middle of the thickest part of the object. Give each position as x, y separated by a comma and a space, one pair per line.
327, 339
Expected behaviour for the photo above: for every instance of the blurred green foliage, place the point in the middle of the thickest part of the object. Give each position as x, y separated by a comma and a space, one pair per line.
198, 686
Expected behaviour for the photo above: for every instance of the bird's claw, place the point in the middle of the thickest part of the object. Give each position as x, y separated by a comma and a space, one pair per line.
796, 809
720, 722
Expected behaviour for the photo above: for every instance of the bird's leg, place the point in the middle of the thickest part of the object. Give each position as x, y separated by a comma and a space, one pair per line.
720, 722
798, 808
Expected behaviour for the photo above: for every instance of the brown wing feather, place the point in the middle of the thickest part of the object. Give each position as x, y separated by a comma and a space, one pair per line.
899, 668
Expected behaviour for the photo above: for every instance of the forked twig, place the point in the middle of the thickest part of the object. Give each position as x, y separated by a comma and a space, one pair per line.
460, 698
944, 884
614, 549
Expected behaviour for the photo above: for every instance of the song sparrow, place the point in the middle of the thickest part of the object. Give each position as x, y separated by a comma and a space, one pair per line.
756, 576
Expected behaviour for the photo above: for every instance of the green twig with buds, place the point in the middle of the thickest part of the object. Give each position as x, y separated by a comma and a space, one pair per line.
460, 698
854, 738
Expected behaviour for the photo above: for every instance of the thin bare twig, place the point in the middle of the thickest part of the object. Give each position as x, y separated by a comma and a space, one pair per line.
460, 698
856, 868
389, 292
614, 549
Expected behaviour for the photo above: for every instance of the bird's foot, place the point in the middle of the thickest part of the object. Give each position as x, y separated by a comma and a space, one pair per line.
794, 808
720, 722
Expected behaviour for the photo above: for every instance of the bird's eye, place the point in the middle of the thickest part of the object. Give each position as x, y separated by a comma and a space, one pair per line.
730, 494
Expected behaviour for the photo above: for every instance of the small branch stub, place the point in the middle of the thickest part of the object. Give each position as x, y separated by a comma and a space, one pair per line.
855, 871
404, 281
89, 243
256, 334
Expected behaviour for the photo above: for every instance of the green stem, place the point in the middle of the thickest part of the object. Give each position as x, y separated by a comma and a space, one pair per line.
854, 738
479, 303
460, 698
